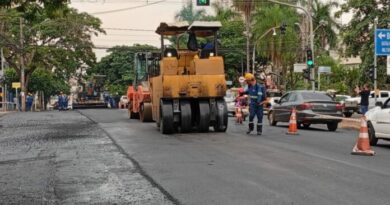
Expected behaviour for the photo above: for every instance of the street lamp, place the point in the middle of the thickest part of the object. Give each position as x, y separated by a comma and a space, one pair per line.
254, 45
310, 21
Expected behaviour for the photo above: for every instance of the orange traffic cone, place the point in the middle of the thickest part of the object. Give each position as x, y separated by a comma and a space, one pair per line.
292, 128
362, 146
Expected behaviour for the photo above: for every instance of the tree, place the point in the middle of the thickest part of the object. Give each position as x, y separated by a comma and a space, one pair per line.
281, 49
246, 7
358, 34
60, 42
118, 66
189, 13
327, 26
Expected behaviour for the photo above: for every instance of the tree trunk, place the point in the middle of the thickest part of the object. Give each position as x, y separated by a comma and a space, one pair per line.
247, 22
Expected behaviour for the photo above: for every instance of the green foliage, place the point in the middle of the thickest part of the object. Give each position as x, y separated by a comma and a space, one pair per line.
358, 34
189, 13
118, 66
46, 81
55, 37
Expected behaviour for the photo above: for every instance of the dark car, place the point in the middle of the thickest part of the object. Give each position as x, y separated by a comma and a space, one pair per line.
312, 108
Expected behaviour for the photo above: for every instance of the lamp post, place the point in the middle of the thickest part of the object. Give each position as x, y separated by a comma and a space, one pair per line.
310, 21
255, 44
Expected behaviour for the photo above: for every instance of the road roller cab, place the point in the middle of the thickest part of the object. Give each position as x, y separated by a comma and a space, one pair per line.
188, 84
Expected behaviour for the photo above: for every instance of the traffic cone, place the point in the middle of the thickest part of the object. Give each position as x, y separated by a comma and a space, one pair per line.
362, 146
292, 128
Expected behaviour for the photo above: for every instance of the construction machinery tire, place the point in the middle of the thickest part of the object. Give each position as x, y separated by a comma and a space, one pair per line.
132, 115
145, 114
185, 116
166, 117
222, 116
204, 116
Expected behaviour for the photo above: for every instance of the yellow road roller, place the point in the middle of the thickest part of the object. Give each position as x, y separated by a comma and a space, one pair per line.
187, 82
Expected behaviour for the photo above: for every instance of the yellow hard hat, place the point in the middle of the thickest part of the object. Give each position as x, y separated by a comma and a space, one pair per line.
249, 76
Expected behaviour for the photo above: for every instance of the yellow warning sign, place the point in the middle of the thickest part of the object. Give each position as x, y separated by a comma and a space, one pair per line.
16, 85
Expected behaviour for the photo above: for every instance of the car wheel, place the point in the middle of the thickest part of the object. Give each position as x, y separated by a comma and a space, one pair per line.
306, 125
332, 126
348, 114
371, 134
271, 119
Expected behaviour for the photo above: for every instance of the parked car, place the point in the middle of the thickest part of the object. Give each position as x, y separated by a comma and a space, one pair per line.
378, 122
229, 99
272, 97
123, 102
353, 104
309, 105
349, 107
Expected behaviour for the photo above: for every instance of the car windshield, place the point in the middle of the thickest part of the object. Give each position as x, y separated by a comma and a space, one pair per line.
340, 98
274, 94
310, 96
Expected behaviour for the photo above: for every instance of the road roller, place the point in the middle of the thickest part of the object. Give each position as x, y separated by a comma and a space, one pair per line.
187, 80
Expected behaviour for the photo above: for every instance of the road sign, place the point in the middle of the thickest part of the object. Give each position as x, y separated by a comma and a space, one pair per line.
324, 69
241, 79
382, 42
388, 65
16, 85
298, 67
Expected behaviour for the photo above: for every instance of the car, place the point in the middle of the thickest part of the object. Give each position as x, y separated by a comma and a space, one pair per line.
349, 107
231, 105
123, 102
273, 95
309, 105
378, 123
353, 104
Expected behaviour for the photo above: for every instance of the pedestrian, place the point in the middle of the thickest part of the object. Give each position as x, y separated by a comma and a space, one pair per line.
257, 96
61, 99
29, 101
364, 96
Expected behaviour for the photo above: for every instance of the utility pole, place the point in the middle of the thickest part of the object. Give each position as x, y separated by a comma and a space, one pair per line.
22, 77
311, 34
5, 86
375, 61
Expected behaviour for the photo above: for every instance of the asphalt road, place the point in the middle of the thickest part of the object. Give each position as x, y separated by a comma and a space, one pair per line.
315, 167
64, 158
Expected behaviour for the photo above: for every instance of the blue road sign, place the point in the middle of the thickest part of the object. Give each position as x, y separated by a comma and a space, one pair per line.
382, 42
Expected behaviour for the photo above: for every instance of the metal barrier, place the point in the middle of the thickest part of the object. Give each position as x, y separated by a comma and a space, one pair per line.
9, 106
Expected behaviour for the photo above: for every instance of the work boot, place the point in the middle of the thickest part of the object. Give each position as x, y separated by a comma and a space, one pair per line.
259, 129
251, 126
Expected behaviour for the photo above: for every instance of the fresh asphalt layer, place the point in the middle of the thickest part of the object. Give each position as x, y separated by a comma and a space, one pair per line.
314, 167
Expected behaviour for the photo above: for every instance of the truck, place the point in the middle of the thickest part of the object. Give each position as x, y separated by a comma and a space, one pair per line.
90, 94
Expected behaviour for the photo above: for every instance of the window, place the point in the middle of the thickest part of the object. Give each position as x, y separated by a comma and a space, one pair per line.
311, 96
285, 98
293, 97
384, 94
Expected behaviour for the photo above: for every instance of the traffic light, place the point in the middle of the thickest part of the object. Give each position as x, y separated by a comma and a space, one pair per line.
283, 28
306, 74
309, 58
370, 73
203, 2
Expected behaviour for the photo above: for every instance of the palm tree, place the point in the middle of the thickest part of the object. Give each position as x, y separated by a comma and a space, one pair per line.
280, 49
326, 34
189, 13
246, 7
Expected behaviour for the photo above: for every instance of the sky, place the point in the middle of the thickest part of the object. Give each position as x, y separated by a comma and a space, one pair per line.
123, 19
143, 18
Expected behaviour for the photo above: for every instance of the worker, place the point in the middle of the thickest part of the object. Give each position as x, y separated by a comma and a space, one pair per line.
257, 95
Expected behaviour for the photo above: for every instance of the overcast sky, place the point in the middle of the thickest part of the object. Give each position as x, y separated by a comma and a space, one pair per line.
131, 14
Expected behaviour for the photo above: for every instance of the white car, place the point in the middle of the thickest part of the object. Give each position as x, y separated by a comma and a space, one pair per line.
381, 97
378, 122
123, 102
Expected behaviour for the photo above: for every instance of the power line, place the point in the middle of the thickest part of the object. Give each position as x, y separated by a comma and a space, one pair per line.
126, 9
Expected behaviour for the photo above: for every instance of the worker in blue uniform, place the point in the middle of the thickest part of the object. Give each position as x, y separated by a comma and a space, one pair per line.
257, 95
